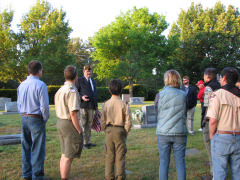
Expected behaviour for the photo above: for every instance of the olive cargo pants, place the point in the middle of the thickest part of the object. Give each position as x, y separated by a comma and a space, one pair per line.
115, 147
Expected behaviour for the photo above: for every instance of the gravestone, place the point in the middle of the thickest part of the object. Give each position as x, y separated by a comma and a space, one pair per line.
11, 106
126, 97
3, 101
149, 118
136, 100
149, 115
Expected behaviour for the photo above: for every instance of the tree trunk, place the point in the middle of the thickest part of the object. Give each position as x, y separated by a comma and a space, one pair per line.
131, 88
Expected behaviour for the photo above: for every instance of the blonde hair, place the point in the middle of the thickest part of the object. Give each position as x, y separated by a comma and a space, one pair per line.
172, 78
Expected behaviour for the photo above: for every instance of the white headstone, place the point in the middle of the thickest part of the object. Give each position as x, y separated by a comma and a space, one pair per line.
3, 101
126, 97
136, 100
11, 106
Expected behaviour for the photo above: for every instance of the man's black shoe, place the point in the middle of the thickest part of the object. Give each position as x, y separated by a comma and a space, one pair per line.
91, 144
86, 146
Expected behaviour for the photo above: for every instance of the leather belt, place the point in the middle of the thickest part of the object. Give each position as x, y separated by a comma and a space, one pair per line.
228, 132
32, 115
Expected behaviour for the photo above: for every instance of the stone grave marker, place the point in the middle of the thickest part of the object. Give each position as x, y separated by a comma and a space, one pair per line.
149, 117
136, 100
126, 97
3, 101
11, 106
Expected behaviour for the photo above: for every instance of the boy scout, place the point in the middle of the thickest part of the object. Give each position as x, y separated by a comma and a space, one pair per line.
224, 126
116, 123
67, 110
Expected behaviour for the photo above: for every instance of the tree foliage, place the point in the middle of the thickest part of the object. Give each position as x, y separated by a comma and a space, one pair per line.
81, 51
207, 38
129, 47
45, 37
9, 68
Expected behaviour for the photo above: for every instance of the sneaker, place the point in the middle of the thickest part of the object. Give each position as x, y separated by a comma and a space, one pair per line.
191, 132
200, 129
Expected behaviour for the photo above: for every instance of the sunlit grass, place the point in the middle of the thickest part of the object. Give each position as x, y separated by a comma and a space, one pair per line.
142, 158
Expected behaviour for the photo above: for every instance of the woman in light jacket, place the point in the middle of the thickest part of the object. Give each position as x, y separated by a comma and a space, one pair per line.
171, 126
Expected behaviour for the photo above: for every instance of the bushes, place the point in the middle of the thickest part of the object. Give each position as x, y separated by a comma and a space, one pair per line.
138, 91
9, 93
52, 89
102, 93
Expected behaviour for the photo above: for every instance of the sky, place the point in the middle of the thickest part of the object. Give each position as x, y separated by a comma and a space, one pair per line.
88, 16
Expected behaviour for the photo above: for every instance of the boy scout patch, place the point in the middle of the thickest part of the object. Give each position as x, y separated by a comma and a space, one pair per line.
213, 95
72, 90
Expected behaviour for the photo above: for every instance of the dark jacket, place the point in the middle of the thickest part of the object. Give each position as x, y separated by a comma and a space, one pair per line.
84, 88
191, 96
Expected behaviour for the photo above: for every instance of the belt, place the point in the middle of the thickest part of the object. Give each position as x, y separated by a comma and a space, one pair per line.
32, 115
110, 125
228, 132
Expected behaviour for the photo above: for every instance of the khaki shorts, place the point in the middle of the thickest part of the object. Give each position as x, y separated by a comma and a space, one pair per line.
70, 140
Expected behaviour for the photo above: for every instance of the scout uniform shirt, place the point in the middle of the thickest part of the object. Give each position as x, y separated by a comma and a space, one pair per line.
67, 100
116, 112
224, 107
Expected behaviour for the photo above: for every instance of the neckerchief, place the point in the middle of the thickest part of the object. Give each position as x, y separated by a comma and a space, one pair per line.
232, 89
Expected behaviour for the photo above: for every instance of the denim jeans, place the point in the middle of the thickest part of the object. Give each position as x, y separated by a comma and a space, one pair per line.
225, 149
33, 147
178, 144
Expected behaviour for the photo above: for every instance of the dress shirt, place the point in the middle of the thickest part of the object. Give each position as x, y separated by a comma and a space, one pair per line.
90, 83
33, 97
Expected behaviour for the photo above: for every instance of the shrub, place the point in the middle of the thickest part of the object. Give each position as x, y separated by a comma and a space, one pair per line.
139, 90
9, 93
103, 94
52, 89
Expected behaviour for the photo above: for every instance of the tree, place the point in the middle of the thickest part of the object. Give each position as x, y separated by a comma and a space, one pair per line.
81, 52
45, 37
9, 68
207, 38
129, 47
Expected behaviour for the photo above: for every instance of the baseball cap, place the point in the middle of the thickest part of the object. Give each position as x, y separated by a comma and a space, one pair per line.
200, 82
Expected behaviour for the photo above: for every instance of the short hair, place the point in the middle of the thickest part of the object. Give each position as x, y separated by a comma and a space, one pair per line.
231, 75
211, 72
70, 72
115, 86
34, 67
172, 78
186, 77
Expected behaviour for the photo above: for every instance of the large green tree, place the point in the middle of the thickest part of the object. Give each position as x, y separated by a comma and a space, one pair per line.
207, 38
130, 47
45, 37
81, 52
9, 61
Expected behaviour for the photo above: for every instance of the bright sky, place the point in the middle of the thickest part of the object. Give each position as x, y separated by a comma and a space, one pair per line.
87, 16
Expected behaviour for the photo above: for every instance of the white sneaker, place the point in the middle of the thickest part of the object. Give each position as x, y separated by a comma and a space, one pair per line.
200, 129
191, 132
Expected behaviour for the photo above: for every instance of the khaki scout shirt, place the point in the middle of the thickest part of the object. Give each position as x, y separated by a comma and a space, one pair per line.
67, 100
225, 108
116, 112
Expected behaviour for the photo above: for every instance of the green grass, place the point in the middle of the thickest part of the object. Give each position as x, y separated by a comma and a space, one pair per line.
142, 158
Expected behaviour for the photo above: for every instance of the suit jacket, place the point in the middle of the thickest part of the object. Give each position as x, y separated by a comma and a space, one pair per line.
191, 96
84, 88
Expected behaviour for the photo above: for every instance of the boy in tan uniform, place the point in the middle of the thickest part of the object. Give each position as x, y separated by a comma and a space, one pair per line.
67, 107
116, 122
224, 126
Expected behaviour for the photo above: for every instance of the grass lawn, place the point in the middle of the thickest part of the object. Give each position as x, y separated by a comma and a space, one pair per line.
142, 159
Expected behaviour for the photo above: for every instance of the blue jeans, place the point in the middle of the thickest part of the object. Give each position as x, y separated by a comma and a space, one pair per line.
225, 149
178, 143
33, 142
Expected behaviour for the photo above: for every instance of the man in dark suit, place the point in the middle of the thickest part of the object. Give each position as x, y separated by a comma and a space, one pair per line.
191, 92
88, 94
